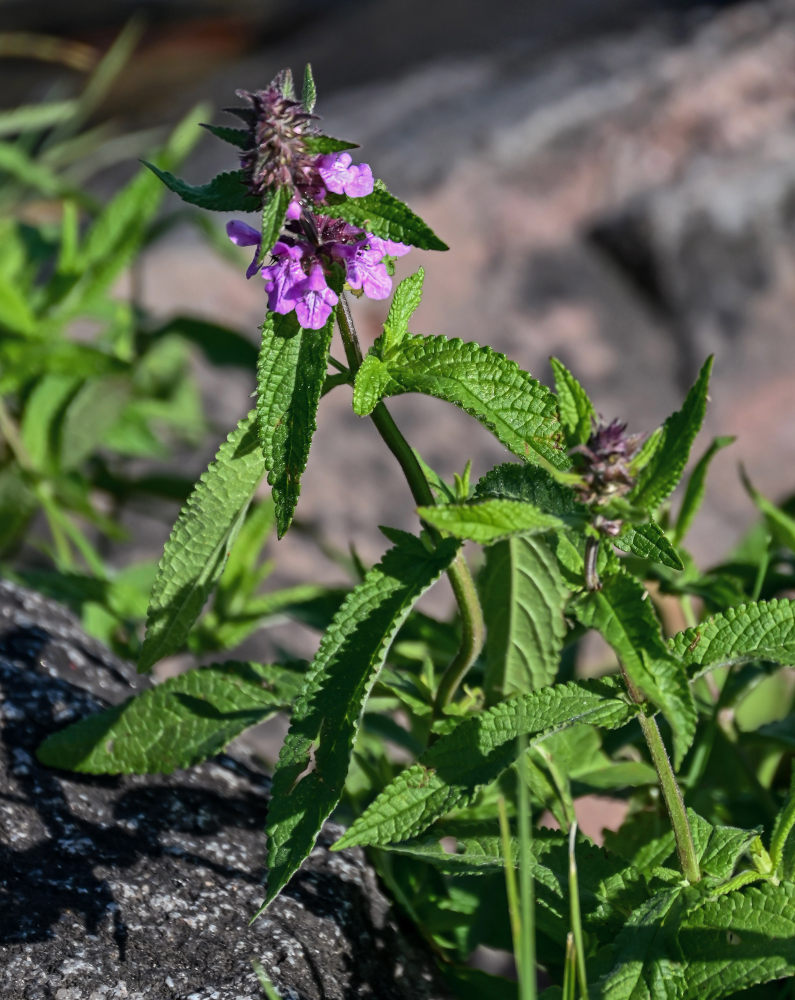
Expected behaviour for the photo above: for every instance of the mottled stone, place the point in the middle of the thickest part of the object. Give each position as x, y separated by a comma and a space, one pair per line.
142, 887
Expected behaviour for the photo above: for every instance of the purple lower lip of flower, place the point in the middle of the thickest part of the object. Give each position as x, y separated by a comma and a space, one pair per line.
341, 177
387, 248
313, 299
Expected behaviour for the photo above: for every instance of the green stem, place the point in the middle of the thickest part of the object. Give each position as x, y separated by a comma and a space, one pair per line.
473, 629
672, 794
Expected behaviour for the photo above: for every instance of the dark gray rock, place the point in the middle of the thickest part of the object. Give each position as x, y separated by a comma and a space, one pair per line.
142, 888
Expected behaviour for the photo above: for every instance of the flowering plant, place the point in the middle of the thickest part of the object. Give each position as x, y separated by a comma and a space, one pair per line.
682, 903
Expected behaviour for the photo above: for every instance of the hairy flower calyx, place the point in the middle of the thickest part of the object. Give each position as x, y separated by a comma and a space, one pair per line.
604, 463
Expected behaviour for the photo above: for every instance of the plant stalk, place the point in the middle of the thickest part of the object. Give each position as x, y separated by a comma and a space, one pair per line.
473, 629
672, 794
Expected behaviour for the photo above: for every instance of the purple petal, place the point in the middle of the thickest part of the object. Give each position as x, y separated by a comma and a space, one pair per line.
360, 181
242, 235
280, 280
387, 247
314, 300
333, 169
366, 271
294, 209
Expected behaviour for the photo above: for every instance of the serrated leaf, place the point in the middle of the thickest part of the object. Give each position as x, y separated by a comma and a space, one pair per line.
224, 193
489, 520
737, 940
274, 213
327, 144
314, 759
290, 374
196, 551
763, 630
659, 476
645, 966
577, 414
405, 301
309, 90
176, 724
649, 541
514, 406
239, 137
384, 215
621, 613
782, 829
694, 493
531, 484
718, 848
523, 598
781, 525
476, 752
371, 384
41, 417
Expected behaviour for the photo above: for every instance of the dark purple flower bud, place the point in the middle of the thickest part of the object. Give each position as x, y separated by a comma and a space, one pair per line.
604, 463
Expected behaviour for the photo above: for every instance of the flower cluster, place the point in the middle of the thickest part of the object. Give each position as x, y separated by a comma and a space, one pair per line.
307, 253
604, 464
278, 156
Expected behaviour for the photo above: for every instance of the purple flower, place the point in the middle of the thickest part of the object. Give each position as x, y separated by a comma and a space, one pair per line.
342, 177
365, 269
282, 276
242, 235
388, 248
312, 298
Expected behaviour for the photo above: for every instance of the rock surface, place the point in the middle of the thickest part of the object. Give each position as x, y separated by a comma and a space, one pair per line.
141, 888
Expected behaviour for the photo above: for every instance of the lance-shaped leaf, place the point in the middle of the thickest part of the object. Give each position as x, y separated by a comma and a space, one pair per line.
649, 541
524, 597
407, 297
762, 630
314, 759
514, 406
476, 752
737, 940
577, 414
274, 212
327, 144
489, 520
694, 492
195, 553
782, 838
176, 724
384, 215
781, 525
290, 375
309, 90
224, 193
664, 469
239, 137
625, 618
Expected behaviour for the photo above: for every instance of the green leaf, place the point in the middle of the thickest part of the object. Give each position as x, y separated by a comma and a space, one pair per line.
514, 406
17, 163
382, 214
523, 598
309, 90
694, 493
781, 525
476, 752
42, 416
290, 374
718, 848
667, 463
489, 520
782, 829
274, 212
239, 137
314, 759
531, 484
30, 117
224, 193
15, 312
644, 965
88, 416
649, 541
176, 724
624, 616
737, 940
327, 144
577, 414
764, 630
407, 297
196, 551
222, 346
